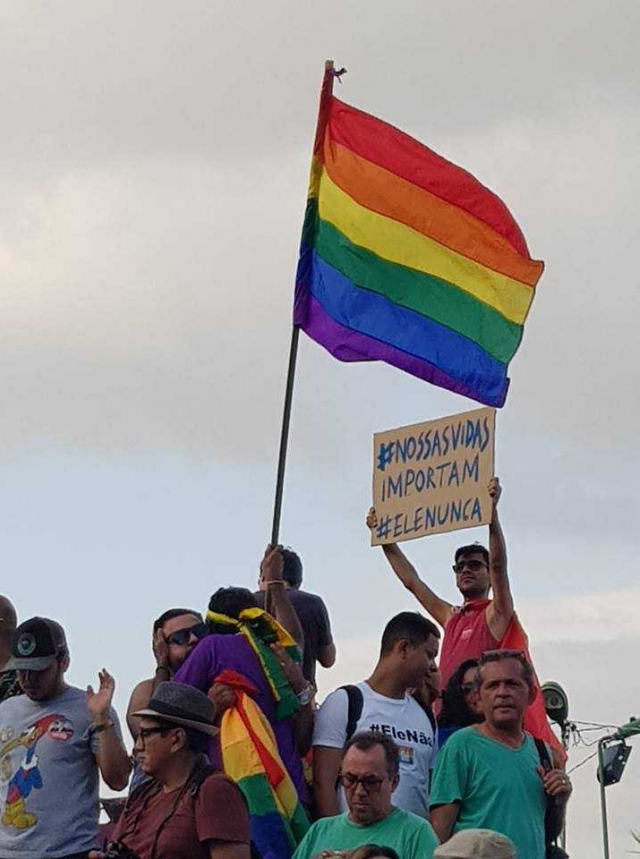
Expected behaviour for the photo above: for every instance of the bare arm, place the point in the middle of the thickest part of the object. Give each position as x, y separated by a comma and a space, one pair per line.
304, 718
326, 767
112, 759
277, 599
443, 818
557, 786
327, 655
500, 610
140, 697
111, 756
439, 609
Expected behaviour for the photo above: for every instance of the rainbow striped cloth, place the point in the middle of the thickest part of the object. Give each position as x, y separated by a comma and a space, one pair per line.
406, 258
250, 757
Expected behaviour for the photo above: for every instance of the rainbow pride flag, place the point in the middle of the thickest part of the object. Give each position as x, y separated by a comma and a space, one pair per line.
250, 757
406, 258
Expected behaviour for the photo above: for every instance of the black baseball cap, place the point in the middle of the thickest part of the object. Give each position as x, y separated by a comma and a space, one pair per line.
36, 644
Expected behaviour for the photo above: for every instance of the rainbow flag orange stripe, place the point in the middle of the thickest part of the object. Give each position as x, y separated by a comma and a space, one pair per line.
408, 259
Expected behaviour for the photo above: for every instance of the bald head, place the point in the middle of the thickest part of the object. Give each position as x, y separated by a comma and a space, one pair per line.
8, 621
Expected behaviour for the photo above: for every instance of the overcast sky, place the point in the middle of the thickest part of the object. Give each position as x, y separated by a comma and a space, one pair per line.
154, 163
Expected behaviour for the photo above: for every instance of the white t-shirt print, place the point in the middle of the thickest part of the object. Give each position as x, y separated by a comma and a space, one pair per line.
402, 719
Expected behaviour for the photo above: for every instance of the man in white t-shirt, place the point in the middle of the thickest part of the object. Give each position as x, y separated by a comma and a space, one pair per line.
384, 703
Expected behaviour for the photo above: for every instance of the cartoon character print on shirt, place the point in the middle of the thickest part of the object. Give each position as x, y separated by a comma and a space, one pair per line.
27, 776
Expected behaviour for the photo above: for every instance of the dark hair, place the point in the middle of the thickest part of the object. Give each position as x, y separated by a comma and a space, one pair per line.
369, 851
231, 601
366, 740
407, 626
455, 710
499, 656
474, 548
291, 568
170, 613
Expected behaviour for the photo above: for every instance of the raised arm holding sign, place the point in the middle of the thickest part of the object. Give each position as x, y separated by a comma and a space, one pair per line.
480, 623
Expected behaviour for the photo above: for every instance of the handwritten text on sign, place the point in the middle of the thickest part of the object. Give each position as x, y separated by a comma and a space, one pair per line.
432, 477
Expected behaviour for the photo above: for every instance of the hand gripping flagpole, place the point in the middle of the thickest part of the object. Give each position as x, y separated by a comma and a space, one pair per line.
325, 99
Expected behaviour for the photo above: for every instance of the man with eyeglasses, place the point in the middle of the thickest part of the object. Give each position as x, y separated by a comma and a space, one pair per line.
369, 775
480, 623
175, 633
494, 775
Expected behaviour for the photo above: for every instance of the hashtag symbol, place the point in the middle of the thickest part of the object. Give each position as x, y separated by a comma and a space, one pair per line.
385, 455
384, 526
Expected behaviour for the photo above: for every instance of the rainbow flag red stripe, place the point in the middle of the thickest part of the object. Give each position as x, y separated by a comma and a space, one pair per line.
408, 259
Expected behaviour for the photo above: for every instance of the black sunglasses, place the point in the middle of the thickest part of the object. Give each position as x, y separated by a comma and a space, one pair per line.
183, 636
472, 565
370, 783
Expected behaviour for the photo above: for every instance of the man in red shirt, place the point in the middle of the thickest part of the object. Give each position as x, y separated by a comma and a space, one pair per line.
480, 623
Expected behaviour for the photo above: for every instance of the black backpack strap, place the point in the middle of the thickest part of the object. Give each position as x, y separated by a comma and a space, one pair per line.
543, 754
354, 711
428, 711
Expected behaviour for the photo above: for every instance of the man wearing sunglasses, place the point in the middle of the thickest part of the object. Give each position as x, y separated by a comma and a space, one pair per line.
175, 633
369, 775
480, 623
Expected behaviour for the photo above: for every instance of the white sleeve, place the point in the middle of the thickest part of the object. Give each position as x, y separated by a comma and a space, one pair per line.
331, 721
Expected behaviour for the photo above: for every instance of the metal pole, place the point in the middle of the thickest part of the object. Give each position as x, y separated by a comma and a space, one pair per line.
603, 798
284, 435
323, 114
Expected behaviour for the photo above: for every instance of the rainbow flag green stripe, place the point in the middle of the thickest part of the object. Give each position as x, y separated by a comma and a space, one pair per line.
428, 295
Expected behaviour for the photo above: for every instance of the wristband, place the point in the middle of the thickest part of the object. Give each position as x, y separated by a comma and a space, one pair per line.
305, 696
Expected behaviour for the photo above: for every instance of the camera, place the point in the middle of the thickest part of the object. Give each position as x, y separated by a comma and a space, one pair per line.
119, 851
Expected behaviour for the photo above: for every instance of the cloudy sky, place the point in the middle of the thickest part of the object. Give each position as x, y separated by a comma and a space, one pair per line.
154, 167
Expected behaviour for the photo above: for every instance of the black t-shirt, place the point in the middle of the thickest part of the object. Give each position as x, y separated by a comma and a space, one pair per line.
314, 620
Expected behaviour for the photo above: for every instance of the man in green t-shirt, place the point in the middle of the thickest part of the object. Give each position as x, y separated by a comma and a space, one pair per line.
490, 776
369, 775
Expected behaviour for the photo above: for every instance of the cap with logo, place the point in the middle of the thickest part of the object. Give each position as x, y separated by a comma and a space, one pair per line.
36, 644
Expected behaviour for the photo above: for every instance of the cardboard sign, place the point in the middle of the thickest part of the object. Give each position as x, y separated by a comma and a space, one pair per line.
432, 477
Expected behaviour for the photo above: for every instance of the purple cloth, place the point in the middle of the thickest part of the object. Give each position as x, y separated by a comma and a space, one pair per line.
214, 654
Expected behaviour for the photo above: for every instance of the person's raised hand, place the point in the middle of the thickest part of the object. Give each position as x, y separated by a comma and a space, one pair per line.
223, 697
372, 519
99, 702
161, 649
272, 564
495, 490
556, 783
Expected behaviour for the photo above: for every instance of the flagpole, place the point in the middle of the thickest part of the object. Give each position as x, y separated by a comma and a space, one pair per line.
325, 96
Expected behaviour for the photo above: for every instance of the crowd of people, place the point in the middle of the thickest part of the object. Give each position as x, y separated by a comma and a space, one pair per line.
443, 751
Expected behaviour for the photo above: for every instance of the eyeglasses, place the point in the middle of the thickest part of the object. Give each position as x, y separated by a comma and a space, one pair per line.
370, 783
473, 565
183, 636
145, 733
